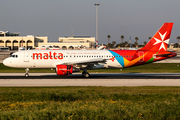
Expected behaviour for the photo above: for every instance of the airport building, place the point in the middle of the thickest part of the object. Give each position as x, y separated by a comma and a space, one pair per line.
13, 41
72, 42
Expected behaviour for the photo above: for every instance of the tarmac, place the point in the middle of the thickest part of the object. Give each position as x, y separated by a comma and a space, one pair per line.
108, 79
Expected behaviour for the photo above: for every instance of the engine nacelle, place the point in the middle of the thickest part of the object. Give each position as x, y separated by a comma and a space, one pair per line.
64, 69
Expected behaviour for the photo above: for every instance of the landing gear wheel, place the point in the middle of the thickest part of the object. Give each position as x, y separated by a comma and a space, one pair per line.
26, 75
85, 74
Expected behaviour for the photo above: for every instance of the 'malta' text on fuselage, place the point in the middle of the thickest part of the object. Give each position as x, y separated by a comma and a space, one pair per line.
46, 56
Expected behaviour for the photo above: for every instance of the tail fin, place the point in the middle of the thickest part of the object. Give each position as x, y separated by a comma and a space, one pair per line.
160, 41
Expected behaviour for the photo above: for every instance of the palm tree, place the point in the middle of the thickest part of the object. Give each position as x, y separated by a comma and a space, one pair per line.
136, 38
145, 42
108, 39
122, 37
113, 43
178, 37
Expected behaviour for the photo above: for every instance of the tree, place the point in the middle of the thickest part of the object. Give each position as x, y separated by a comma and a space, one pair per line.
136, 44
114, 43
178, 37
136, 38
149, 38
110, 45
108, 40
176, 45
125, 44
122, 37
145, 42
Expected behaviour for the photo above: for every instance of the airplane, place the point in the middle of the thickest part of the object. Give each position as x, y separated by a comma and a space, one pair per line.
66, 62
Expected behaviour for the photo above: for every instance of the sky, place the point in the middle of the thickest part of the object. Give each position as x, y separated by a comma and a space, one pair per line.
58, 18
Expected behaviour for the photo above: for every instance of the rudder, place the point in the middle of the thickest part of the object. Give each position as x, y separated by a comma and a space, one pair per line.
160, 41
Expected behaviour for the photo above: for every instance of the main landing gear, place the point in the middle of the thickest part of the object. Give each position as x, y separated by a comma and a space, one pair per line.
85, 74
27, 74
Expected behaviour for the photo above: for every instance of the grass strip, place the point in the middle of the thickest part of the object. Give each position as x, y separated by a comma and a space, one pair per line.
90, 103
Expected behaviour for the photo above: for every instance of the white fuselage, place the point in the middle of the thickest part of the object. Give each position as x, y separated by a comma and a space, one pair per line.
51, 58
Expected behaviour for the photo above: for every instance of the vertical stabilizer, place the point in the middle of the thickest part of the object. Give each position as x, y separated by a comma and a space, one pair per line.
160, 41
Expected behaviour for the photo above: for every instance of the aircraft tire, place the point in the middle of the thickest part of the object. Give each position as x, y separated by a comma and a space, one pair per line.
26, 75
86, 75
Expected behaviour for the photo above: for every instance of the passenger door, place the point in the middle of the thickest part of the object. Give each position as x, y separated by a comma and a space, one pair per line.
26, 57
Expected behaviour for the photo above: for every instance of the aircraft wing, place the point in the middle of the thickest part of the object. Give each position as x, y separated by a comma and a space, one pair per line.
82, 62
90, 61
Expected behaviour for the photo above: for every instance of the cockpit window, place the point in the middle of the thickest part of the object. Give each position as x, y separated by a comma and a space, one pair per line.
14, 56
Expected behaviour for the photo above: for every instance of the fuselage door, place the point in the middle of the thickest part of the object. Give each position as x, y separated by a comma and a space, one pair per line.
141, 56
26, 57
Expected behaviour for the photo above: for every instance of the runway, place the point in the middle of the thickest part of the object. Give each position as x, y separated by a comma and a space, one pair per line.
96, 79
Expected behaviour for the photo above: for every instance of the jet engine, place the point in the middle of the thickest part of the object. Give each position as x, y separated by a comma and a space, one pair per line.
64, 69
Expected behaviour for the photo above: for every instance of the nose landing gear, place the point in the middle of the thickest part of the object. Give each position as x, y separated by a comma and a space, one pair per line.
27, 74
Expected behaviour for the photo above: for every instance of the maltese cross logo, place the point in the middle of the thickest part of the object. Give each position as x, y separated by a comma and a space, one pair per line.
162, 41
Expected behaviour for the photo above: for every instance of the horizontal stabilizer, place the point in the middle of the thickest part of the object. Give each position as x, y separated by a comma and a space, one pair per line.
165, 55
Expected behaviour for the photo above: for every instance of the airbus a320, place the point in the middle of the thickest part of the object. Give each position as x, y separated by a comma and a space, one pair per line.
66, 62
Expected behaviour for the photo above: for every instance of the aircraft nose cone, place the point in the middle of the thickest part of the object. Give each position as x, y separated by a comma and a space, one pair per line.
6, 62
